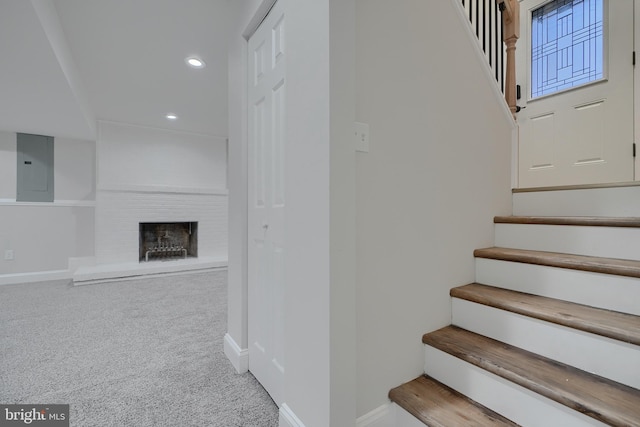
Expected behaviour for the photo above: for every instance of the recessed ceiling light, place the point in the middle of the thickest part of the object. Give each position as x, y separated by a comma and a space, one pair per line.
195, 62
171, 116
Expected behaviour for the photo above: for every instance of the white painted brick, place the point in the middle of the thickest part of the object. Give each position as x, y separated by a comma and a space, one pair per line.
118, 214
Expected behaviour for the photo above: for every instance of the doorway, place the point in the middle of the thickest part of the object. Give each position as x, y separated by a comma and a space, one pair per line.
575, 65
267, 113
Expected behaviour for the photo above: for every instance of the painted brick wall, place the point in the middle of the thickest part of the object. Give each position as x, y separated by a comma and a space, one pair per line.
118, 214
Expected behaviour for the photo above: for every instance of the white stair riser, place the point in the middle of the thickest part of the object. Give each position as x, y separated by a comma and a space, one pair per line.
594, 289
405, 419
592, 353
617, 202
504, 397
608, 242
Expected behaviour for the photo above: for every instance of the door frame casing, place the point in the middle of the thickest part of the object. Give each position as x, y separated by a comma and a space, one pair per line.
636, 87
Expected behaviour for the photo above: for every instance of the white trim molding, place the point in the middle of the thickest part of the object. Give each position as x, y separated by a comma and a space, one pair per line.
382, 416
288, 418
55, 204
126, 188
38, 276
258, 17
238, 357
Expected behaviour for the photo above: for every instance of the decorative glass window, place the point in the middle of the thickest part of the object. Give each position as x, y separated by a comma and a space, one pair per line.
566, 45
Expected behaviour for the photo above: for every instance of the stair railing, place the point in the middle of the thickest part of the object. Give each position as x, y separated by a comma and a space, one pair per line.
497, 25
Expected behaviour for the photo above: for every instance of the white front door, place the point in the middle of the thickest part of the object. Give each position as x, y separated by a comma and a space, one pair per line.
266, 156
576, 73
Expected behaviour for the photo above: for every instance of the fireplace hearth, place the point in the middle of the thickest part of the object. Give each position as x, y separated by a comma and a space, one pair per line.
168, 241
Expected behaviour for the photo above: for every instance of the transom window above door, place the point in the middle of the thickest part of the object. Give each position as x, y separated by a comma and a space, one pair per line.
567, 45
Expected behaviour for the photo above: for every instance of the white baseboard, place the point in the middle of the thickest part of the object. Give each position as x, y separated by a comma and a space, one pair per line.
288, 418
238, 357
382, 416
38, 276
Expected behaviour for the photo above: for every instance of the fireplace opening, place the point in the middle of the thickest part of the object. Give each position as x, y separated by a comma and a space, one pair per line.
168, 240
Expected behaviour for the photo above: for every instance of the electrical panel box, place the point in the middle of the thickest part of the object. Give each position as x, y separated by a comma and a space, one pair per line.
35, 168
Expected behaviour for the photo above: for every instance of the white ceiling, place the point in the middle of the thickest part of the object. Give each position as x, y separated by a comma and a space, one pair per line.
66, 63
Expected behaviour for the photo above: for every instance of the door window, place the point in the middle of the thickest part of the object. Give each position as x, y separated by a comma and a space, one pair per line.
567, 45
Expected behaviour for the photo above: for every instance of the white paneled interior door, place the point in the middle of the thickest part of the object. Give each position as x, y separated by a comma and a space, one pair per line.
576, 72
266, 249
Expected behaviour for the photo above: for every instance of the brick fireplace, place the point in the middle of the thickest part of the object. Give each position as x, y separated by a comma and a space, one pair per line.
182, 182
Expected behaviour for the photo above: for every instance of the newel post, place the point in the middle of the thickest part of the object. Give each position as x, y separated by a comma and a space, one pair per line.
511, 33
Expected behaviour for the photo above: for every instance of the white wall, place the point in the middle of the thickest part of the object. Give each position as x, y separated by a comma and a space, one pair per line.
44, 236
320, 299
75, 169
343, 212
138, 156
155, 175
437, 172
8, 166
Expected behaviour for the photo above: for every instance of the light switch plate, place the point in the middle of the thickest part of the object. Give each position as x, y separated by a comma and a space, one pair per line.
8, 255
362, 137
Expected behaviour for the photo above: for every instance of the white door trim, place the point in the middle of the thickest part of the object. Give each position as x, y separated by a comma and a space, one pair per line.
262, 12
636, 87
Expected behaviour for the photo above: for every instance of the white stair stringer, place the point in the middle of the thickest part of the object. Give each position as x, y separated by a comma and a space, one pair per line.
606, 357
607, 242
517, 403
611, 292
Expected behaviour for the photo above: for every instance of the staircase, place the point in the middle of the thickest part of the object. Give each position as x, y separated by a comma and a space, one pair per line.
549, 335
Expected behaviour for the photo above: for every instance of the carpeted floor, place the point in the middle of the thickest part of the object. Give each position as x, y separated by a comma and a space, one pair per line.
146, 352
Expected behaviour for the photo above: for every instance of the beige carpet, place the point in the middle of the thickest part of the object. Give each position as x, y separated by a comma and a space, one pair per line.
146, 352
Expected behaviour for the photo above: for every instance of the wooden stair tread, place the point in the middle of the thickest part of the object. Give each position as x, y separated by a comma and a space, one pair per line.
611, 324
620, 267
590, 221
600, 398
437, 405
